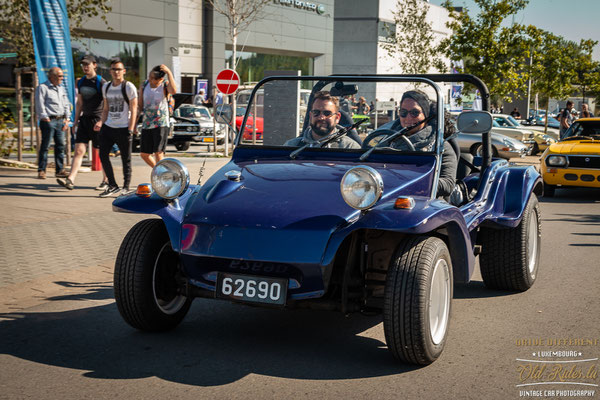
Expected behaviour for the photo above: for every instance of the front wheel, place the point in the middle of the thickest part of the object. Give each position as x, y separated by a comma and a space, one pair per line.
145, 281
418, 297
182, 146
509, 257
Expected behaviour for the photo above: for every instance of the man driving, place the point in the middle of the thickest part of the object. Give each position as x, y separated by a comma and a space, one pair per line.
324, 118
414, 107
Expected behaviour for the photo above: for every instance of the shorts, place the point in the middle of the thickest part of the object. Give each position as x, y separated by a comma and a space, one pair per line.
85, 130
154, 140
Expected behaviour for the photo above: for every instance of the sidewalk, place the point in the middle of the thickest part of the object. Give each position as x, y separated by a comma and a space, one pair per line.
50, 235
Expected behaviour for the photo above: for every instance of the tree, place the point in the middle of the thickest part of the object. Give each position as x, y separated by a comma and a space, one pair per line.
497, 54
584, 65
15, 24
411, 41
552, 68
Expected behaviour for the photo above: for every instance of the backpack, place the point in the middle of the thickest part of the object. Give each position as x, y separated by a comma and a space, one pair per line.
98, 83
168, 96
123, 91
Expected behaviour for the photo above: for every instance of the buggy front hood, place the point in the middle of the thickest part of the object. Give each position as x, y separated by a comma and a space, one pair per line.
282, 210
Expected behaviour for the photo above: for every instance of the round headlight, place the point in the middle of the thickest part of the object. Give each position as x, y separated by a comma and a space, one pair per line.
170, 178
556, 161
361, 187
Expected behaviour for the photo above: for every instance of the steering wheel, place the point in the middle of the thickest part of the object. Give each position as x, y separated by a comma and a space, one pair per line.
384, 132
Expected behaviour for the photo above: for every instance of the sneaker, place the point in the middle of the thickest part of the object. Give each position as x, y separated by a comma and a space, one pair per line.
41, 174
66, 183
102, 186
62, 174
125, 192
109, 191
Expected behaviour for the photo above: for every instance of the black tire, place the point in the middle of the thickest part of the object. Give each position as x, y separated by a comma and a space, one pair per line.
510, 257
182, 146
549, 190
477, 150
535, 149
420, 267
145, 279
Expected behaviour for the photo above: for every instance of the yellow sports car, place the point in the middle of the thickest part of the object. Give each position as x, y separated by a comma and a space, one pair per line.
575, 159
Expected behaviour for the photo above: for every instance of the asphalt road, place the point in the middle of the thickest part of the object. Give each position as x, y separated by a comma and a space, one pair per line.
61, 335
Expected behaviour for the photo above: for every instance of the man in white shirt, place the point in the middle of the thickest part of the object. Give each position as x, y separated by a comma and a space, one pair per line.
117, 125
53, 109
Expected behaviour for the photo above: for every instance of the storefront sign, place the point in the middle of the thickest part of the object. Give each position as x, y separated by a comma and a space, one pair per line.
303, 5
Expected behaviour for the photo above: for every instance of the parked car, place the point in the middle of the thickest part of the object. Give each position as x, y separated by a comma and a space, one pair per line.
502, 145
575, 160
320, 227
196, 124
508, 126
249, 129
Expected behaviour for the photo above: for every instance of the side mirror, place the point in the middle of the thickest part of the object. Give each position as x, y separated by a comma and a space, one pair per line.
223, 114
474, 122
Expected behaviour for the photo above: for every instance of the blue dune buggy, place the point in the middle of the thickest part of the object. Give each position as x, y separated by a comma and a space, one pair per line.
352, 229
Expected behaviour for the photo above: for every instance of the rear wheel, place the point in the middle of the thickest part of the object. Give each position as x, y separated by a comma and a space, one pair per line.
418, 296
145, 280
510, 257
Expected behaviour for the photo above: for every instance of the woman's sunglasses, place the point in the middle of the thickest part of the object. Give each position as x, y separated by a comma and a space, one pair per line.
413, 113
326, 113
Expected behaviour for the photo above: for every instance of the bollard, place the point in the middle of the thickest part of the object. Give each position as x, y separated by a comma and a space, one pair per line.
96, 165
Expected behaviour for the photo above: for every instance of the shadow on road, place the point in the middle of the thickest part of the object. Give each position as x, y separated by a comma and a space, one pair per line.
218, 343
477, 290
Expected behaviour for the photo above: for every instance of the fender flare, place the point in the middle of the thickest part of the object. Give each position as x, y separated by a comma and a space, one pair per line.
427, 216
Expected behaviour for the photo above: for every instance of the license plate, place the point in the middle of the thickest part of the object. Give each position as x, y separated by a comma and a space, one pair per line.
255, 289
207, 139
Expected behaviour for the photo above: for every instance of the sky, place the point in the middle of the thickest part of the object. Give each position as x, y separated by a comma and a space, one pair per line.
571, 19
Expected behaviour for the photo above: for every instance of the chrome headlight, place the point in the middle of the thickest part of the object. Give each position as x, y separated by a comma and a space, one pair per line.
361, 187
170, 178
508, 143
556, 161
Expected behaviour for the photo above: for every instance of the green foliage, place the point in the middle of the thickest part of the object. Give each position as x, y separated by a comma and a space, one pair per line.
497, 54
7, 140
15, 24
411, 44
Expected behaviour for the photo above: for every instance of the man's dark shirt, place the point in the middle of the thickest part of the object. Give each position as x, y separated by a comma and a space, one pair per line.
92, 99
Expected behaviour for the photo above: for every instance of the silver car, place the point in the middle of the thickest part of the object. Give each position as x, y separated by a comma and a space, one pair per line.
502, 146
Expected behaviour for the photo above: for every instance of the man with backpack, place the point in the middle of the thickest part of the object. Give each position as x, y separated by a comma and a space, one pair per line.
88, 110
155, 95
117, 125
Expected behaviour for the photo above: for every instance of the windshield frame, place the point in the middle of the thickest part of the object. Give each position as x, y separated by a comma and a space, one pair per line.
438, 148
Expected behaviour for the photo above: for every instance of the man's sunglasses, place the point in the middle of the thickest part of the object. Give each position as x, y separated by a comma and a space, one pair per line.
326, 113
413, 113
117, 69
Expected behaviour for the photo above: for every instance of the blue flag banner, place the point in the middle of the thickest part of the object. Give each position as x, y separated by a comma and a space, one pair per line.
52, 41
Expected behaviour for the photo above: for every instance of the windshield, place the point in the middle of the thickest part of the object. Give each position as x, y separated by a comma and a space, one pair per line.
193, 112
290, 116
584, 128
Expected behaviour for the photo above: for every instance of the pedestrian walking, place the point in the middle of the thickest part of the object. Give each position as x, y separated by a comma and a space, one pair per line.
154, 106
53, 109
88, 111
585, 111
117, 125
566, 118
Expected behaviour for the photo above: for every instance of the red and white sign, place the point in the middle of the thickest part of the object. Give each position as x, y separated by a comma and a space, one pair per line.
228, 81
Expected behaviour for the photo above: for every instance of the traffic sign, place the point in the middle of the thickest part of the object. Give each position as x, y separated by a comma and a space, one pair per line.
228, 81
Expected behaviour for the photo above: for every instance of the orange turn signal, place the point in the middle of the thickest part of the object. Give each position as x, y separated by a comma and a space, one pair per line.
552, 170
144, 190
406, 203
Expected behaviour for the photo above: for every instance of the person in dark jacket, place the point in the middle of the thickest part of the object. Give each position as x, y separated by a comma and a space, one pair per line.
414, 107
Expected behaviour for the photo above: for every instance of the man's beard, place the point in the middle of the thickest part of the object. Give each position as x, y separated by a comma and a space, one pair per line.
322, 128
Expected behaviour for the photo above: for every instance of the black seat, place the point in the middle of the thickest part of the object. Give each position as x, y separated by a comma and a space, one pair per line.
346, 121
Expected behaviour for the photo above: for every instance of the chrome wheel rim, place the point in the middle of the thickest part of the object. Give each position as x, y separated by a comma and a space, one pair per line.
532, 246
439, 301
167, 304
